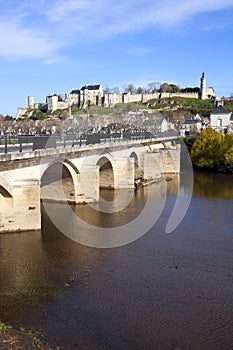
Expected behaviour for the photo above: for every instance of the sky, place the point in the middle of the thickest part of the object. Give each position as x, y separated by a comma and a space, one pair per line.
54, 46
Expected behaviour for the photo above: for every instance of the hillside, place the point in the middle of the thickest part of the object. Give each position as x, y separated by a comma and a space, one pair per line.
191, 105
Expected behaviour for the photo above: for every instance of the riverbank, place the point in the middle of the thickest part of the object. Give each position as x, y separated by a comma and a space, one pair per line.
13, 339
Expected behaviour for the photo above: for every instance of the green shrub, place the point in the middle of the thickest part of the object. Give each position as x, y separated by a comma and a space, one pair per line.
212, 150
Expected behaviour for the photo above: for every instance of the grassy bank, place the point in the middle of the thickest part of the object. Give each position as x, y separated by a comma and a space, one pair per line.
21, 339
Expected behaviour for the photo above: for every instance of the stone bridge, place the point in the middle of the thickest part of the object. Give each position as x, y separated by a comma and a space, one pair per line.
27, 177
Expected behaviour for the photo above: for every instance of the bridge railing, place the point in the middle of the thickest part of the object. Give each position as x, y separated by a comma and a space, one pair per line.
27, 143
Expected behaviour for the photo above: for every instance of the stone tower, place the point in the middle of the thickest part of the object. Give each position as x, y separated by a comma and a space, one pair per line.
30, 102
203, 86
52, 102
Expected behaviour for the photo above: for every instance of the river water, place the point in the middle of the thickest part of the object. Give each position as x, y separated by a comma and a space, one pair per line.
162, 291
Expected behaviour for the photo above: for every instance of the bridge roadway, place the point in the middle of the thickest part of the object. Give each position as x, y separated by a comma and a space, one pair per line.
26, 143
22, 173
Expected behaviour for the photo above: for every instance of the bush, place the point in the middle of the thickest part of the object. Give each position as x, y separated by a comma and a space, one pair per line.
229, 159
212, 150
38, 115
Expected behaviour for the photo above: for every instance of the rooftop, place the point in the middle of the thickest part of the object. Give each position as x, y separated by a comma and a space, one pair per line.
91, 87
192, 121
220, 110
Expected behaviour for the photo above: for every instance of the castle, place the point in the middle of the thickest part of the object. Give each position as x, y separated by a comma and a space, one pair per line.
94, 95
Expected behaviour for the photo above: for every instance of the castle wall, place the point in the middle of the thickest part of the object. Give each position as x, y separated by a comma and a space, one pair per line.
127, 98
185, 94
62, 104
110, 100
132, 98
147, 97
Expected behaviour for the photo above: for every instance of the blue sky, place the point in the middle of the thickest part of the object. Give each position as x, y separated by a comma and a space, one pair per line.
54, 46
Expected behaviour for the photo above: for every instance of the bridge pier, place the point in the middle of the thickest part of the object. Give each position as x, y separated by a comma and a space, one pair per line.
169, 160
123, 173
88, 185
152, 169
163, 161
20, 209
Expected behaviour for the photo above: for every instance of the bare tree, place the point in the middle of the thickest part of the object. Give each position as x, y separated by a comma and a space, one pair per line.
153, 86
130, 88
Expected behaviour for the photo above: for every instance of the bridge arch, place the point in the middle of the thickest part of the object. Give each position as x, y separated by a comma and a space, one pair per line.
137, 171
71, 166
106, 172
5, 188
137, 154
136, 160
4, 192
59, 181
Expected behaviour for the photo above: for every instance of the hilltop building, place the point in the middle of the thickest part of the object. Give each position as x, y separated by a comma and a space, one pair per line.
94, 95
88, 95
54, 103
205, 93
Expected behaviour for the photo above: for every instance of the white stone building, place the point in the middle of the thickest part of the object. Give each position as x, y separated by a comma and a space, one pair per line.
220, 119
88, 95
191, 126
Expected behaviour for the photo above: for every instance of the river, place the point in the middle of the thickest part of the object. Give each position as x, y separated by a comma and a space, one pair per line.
162, 291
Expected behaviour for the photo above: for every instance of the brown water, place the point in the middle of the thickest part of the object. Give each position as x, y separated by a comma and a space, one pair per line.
163, 291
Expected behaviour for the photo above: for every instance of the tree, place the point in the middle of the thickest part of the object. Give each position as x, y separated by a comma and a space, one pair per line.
153, 87
114, 90
8, 117
130, 88
208, 151
174, 88
189, 141
38, 115
107, 90
229, 159
140, 90
165, 87
191, 89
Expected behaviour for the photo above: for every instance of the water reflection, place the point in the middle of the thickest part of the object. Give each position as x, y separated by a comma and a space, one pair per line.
161, 292
92, 226
213, 185
25, 258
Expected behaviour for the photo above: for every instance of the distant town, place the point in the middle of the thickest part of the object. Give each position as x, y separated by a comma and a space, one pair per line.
157, 108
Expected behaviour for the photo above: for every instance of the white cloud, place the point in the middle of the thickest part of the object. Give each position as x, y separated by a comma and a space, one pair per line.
70, 9
120, 16
168, 13
22, 42
38, 30
82, 21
